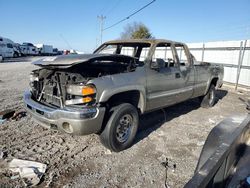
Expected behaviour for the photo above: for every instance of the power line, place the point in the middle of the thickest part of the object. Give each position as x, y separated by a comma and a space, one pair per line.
111, 9
122, 20
66, 41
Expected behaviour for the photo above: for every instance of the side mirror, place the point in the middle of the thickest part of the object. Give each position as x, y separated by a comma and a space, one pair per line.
158, 64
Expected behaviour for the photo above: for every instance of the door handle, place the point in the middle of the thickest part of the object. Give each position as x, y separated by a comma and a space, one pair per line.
177, 75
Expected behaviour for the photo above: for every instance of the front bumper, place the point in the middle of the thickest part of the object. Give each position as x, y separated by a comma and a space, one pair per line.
74, 121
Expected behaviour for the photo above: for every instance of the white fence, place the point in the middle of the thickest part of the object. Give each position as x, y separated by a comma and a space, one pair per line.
234, 55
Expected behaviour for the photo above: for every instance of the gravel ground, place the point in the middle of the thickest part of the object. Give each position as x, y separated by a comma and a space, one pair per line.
177, 133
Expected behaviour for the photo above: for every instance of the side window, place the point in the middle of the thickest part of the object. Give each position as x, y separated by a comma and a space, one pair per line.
127, 51
9, 45
164, 51
182, 55
144, 54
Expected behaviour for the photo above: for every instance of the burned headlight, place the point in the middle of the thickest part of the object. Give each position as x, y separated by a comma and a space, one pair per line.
33, 80
81, 94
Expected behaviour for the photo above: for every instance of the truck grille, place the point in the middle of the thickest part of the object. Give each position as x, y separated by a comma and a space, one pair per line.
51, 88
49, 92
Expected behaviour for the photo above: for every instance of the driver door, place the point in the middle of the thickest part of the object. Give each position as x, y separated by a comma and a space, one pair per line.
163, 84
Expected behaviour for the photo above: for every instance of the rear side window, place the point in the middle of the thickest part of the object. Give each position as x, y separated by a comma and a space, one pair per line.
9, 45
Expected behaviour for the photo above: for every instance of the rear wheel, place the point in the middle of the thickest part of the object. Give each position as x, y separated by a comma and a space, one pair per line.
208, 100
15, 54
121, 127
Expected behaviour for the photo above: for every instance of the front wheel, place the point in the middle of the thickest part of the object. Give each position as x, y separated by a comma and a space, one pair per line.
121, 127
208, 100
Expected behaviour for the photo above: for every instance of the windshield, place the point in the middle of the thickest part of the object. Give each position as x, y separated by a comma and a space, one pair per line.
137, 50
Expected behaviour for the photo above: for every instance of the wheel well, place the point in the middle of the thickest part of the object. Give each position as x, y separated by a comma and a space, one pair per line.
214, 81
132, 97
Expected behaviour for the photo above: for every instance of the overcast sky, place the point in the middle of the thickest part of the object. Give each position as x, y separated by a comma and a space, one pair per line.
74, 24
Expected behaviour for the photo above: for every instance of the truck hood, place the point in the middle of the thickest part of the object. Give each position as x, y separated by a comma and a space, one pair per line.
65, 61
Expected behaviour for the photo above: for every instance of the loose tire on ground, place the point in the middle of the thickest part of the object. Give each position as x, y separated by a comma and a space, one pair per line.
209, 99
121, 127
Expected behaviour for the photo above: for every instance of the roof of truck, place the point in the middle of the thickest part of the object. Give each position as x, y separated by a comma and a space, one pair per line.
151, 41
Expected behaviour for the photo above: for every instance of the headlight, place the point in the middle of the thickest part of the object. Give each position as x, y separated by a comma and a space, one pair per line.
80, 94
81, 90
88, 90
83, 100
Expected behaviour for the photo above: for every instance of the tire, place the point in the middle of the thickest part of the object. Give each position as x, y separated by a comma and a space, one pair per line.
118, 136
209, 99
15, 54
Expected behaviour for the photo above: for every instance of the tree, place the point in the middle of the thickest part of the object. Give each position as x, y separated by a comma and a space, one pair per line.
136, 31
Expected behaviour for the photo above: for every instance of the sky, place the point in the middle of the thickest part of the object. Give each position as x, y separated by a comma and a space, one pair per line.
73, 24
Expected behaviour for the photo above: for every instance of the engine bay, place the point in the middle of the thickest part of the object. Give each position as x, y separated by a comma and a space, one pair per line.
48, 84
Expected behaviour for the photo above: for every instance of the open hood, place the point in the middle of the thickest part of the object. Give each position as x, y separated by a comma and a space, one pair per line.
65, 61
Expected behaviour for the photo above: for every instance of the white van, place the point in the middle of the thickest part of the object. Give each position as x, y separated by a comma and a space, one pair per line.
6, 48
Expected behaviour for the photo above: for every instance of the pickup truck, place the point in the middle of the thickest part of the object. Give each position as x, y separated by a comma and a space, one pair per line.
106, 92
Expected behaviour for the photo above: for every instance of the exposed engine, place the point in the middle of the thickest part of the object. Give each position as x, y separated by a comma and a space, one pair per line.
49, 85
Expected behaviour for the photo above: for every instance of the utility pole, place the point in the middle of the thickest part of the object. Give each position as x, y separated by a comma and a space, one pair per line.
101, 18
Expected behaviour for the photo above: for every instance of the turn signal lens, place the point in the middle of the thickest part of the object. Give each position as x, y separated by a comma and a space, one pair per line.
88, 90
86, 99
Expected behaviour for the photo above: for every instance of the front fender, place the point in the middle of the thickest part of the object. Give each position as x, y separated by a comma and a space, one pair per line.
108, 93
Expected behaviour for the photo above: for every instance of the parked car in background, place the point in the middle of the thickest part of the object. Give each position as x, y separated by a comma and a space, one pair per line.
44, 49
28, 49
55, 51
66, 52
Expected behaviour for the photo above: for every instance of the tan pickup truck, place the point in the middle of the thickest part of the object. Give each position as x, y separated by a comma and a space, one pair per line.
105, 92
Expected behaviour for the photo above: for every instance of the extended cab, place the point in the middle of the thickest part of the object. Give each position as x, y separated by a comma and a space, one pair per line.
105, 92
